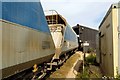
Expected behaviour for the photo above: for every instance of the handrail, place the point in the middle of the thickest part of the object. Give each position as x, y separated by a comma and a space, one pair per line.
52, 13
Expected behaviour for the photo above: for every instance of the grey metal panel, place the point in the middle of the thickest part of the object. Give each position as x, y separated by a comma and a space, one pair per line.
69, 45
0, 50
70, 34
21, 44
97, 49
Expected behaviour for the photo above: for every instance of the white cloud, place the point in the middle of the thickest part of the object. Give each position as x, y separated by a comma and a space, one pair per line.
83, 12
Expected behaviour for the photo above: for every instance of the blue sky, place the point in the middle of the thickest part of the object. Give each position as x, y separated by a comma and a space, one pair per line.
87, 13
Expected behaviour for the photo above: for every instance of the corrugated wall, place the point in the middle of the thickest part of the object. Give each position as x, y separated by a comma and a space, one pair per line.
87, 34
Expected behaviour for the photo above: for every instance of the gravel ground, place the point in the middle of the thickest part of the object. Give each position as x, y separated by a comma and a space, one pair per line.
95, 72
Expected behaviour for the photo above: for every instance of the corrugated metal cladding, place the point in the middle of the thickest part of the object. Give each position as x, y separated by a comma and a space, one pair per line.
28, 14
87, 34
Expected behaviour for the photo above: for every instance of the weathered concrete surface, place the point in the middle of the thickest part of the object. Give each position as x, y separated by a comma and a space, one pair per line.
70, 68
73, 72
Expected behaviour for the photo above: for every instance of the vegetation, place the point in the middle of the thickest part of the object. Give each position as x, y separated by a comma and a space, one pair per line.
118, 75
90, 50
91, 59
91, 69
84, 75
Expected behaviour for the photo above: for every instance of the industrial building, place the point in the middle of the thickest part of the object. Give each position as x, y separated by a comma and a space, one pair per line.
109, 42
86, 34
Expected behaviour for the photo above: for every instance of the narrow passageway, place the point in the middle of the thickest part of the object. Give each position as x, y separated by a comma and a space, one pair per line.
70, 67
73, 68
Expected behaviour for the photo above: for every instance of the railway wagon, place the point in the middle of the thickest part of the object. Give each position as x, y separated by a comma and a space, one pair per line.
109, 42
25, 38
64, 37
